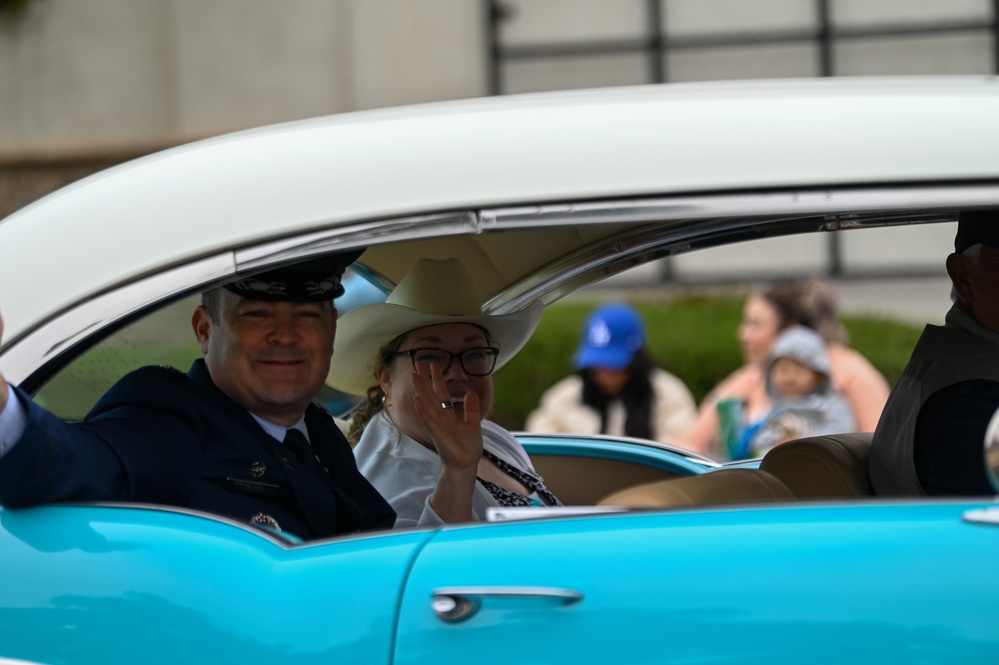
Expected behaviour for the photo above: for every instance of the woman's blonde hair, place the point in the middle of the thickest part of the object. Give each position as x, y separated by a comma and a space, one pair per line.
374, 401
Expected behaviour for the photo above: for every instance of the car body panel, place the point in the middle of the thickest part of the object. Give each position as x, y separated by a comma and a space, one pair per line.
101, 584
896, 583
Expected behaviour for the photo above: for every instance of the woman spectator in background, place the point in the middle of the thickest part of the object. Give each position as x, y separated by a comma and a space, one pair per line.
740, 401
803, 400
617, 389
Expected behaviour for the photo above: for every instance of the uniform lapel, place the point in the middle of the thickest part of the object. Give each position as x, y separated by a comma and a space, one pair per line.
330, 446
317, 503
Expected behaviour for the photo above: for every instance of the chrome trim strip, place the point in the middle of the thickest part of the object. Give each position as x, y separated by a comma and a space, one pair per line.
566, 596
366, 234
799, 202
457, 604
665, 230
522, 513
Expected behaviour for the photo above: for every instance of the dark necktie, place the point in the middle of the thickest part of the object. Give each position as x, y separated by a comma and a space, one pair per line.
299, 446
349, 516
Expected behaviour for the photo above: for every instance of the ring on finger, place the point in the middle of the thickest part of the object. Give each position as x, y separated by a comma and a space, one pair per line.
447, 404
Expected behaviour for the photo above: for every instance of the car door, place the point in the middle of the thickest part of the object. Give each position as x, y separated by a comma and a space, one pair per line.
823, 584
138, 584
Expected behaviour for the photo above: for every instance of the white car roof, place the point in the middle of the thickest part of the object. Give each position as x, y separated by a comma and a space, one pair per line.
245, 188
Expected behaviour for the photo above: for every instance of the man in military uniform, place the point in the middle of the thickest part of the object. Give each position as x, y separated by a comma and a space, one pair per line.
237, 435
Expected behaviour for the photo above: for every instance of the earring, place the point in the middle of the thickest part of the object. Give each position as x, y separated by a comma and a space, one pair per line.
386, 402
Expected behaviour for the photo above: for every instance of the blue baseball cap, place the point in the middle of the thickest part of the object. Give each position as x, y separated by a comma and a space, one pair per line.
612, 335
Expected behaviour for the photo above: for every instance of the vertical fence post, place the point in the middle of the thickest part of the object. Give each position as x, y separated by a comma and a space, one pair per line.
494, 75
827, 67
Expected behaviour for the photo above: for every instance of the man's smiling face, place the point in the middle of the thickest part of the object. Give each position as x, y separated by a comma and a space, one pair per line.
270, 357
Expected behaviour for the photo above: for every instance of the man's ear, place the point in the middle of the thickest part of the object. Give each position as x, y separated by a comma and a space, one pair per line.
959, 269
201, 321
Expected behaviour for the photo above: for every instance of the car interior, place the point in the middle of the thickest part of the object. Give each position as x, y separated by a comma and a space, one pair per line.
514, 267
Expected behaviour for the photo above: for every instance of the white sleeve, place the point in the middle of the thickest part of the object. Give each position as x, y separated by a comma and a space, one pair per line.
429, 517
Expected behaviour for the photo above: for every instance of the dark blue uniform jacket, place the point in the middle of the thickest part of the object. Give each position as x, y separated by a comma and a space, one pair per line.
162, 436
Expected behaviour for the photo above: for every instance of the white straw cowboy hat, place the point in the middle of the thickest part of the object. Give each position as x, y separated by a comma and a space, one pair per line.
433, 292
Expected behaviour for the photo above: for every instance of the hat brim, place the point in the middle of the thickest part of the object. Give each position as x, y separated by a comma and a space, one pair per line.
362, 333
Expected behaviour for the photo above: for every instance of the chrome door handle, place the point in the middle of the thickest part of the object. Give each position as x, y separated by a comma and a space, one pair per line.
454, 604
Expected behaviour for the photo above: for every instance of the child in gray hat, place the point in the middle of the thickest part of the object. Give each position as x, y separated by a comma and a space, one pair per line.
804, 401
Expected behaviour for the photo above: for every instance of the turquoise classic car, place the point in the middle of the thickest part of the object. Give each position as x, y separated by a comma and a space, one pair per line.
660, 555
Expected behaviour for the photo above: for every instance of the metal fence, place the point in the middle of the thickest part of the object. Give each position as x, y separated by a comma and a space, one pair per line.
557, 44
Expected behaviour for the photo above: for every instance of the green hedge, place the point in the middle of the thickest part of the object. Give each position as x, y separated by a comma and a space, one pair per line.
693, 337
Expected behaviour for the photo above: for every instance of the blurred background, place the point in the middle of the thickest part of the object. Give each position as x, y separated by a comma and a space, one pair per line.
86, 84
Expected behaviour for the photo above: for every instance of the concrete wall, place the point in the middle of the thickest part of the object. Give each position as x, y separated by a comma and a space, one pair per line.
84, 76
88, 83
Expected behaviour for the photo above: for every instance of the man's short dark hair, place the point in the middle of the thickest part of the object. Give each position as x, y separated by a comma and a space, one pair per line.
211, 300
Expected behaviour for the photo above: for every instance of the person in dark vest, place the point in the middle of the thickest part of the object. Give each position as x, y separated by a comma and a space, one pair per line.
237, 435
930, 438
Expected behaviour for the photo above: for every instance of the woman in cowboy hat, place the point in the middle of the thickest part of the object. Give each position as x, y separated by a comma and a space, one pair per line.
423, 359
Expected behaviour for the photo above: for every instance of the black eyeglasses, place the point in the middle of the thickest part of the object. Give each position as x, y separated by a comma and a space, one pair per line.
479, 361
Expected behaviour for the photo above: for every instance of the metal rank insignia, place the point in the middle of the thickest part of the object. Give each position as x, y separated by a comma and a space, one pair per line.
258, 469
263, 519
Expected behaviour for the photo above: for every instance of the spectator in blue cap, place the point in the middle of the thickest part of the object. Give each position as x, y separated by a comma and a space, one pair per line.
618, 389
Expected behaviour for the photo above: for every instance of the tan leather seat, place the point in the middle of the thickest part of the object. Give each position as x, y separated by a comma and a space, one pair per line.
727, 486
823, 467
